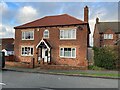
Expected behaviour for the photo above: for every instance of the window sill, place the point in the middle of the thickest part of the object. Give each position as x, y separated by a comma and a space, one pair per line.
68, 57
27, 39
108, 39
26, 55
67, 38
45, 37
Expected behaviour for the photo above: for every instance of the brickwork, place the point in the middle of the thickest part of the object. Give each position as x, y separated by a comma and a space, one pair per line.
80, 44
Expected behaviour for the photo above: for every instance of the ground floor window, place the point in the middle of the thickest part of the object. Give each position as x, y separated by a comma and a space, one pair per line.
27, 51
68, 52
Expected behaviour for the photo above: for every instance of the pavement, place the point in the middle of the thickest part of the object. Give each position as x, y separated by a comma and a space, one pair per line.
62, 72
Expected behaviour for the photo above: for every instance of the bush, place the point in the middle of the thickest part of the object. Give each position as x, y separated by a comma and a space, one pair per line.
105, 57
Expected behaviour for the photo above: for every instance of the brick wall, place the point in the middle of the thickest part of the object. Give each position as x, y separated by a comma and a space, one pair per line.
80, 43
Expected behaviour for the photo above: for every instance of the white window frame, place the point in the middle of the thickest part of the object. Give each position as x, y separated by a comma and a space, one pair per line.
108, 36
44, 33
23, 33
30, 50
64, 51
67, 30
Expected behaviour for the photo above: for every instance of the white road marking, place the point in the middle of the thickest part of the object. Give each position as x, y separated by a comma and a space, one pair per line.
2, 84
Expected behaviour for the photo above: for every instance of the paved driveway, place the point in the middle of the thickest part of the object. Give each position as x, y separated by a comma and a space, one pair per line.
36, 80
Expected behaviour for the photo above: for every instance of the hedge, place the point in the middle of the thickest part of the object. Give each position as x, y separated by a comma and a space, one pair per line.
105, 57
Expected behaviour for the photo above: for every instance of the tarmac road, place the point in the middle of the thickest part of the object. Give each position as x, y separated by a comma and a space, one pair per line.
12, 79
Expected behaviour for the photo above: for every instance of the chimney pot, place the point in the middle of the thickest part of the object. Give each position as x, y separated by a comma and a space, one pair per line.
97, 20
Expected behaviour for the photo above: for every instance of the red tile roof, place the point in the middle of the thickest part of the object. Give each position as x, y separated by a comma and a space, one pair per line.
57, 20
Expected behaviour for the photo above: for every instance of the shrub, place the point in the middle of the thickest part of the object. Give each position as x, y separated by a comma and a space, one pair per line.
105, 57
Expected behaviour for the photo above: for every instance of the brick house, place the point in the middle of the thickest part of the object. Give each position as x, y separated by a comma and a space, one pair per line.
106, 33
7, 46
59, 40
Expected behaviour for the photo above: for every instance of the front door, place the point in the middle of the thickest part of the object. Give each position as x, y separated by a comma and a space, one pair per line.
44, 54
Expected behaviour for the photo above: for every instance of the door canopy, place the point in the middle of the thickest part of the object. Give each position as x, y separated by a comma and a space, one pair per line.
44, 44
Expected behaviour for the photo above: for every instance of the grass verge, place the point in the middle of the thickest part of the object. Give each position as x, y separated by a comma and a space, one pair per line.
90, 74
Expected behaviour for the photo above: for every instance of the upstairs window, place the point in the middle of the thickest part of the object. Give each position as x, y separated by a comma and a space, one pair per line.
46, 34
108, 36
27, 35
68, 34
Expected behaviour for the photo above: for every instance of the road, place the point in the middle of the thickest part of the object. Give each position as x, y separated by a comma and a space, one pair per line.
13, 79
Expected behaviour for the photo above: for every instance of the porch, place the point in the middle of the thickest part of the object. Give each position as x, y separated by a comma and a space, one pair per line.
43, 52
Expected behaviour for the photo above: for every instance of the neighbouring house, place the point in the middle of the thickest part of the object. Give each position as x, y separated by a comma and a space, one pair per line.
7, 46
106, 33
59, 40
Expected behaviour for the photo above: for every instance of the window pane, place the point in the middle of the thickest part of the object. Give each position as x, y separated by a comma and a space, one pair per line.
46, 34
73, 52
73, 34
61, 33
23, 35
28, 50
31, 35
69, 49
61, 52
31, 51
65, 34
22, 51
69, 34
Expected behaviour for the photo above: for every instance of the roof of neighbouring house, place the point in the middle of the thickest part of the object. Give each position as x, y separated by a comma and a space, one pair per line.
7, 43
57, 20
10, 47
103, 26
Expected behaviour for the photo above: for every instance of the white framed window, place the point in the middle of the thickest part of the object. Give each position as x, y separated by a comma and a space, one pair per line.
46, 34
68, 34
27, 51
27, 35
108, 36
68, 52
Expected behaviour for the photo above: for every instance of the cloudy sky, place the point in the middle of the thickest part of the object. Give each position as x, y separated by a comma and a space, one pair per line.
17, 13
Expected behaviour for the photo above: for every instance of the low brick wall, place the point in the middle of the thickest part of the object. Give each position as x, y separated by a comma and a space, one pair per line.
9, 58
18, 64
44, 66
62, 67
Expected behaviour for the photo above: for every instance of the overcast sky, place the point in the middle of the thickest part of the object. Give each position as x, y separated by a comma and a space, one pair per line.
17, 13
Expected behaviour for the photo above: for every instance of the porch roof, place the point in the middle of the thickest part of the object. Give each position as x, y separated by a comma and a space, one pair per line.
46, 43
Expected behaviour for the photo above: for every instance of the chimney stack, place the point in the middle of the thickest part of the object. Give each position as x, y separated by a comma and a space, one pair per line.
97, 20
86, 14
